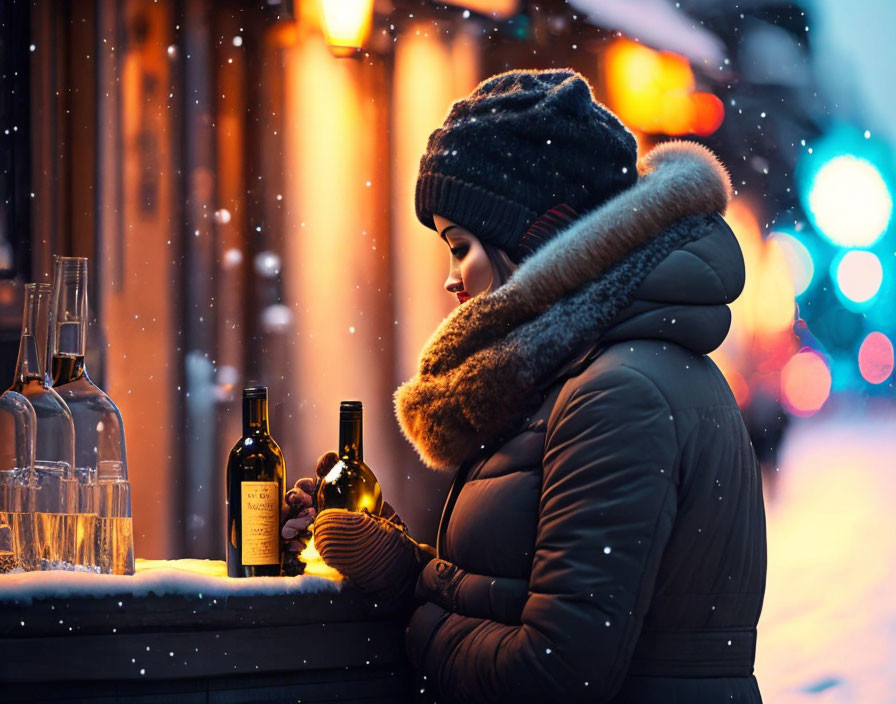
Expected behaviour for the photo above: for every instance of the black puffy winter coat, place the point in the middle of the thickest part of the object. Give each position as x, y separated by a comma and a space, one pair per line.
604, 539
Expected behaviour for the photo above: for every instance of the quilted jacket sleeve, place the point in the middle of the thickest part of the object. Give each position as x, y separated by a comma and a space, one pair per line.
607, 506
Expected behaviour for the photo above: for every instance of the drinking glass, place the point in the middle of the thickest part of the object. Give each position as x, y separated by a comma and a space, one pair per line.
115, 542
16, 544
17, 438
86, 519
52, 498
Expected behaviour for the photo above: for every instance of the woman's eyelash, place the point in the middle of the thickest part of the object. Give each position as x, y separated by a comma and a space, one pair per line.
458, 251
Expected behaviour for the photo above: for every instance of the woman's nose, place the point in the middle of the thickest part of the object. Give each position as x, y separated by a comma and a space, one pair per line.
453, 283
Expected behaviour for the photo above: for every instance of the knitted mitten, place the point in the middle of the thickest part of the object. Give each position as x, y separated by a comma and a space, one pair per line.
374, 552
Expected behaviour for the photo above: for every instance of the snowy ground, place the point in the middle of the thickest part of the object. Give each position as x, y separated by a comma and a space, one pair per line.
828, 627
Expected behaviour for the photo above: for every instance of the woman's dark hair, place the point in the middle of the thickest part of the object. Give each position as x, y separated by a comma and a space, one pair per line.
500, 264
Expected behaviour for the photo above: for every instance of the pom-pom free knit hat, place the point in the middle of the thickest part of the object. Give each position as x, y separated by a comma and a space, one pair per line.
521, 144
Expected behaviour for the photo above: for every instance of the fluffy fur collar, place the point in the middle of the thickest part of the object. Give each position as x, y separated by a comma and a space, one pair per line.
483, 367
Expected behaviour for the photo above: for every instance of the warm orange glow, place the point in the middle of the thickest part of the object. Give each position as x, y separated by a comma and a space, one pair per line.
805, 383
674, 114
739, 385
140, 250
761, 340
766, 305
284, 33
419, 104
315, 565
207, 568
346, 24
337, 249
654, 91
367, 502
740, 388
876, 358
743, 223
774, 297
708, 113
499, 9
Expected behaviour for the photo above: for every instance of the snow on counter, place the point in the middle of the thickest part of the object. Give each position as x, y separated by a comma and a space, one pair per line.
198, 578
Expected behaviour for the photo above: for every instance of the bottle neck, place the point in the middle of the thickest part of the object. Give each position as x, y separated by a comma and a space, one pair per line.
33, 345
255, 417
350, 437
70, 309
68, 368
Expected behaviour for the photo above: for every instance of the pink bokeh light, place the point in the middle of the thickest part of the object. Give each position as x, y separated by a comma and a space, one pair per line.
876, 358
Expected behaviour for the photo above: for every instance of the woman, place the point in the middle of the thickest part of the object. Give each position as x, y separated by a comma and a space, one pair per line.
604, 539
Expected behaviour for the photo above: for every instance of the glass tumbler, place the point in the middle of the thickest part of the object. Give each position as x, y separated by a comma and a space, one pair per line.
52, 497
115, 541
86, 519
16, 542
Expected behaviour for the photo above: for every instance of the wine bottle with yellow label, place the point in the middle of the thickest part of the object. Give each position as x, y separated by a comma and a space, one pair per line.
350, 484
256, 489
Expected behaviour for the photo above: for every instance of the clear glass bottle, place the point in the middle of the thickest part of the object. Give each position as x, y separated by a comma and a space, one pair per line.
99, 430
350, 484
17, 428
54, 447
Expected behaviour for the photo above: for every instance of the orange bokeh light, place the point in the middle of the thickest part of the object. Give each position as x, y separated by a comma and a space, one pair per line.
654, 92
876, 358
805, 383
708, 113
740, 388
498, 9
765, 308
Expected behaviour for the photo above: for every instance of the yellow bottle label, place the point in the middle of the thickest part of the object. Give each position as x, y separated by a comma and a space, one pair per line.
261, 522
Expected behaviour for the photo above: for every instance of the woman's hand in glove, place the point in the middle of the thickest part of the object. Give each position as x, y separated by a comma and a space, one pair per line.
373, 551
298, 515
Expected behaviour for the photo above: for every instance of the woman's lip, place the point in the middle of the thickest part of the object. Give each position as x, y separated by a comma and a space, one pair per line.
463, 296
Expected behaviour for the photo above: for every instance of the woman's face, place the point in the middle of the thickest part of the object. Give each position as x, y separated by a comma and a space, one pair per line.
470, 270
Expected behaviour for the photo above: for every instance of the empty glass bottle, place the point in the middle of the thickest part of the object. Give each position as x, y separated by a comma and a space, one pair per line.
17, 428
99, 430
54, 449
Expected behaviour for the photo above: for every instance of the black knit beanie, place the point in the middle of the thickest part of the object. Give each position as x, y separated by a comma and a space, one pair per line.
520, 144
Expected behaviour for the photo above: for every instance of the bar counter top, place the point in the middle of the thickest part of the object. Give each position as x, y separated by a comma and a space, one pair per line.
182, 631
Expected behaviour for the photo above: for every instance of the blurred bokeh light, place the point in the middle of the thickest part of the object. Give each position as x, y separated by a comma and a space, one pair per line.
798, 258
805, 383
850, 202
859, 275
876, 358
654, 92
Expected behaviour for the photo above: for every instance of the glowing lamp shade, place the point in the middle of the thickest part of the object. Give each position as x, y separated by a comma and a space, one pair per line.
859, 275
805, 383
876, 358
346, 24
850, 202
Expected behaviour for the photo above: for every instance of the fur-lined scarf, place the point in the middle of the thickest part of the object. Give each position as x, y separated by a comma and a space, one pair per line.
481, 369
